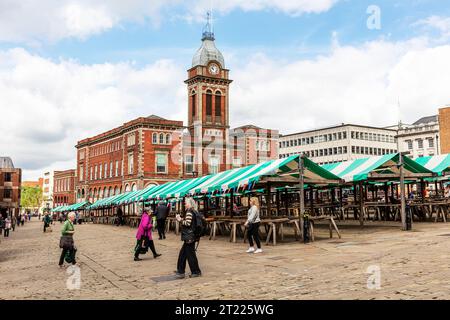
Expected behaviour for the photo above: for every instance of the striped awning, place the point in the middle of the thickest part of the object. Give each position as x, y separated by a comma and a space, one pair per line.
376, 167
247, 177
438, 164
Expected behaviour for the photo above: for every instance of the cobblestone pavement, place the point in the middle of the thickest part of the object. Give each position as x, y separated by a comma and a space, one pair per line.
414, 265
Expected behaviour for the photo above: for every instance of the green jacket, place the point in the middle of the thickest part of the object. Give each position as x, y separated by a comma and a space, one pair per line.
67, 226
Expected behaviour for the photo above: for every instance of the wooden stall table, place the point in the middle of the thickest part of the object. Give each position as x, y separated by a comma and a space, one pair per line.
234, 224
331, 223
215, 224
170, 221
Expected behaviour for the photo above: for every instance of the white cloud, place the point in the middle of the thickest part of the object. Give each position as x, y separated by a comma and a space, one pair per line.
441, 24
48, 106
34, 21
351, 84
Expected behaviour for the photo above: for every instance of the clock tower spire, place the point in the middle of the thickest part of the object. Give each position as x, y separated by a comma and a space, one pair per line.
208, 99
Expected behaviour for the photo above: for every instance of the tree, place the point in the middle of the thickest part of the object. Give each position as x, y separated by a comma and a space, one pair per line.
31, 197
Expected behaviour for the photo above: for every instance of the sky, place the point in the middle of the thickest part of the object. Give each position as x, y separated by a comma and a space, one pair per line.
70, 69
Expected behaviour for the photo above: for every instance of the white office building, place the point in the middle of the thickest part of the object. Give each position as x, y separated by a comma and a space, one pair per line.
420, 138
339, 143
47, 192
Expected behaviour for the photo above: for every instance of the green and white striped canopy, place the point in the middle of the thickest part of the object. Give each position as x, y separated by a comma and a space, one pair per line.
362, 169
72, 207
250, 175
438, 164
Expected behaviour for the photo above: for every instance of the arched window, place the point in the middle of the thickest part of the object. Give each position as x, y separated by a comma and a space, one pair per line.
110, 194
218, 104
193, 103
155, 138
116, 191
105, 193
133, 187
161, 138
168, 138
127, 188
208, 103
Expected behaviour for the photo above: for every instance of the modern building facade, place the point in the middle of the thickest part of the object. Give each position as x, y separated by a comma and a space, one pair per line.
64, 188
10, 183
47, 192
339, 143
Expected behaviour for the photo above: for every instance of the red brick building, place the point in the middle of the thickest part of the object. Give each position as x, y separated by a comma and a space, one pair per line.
252, 145
64, 188
139, 153
10, 183
154, 150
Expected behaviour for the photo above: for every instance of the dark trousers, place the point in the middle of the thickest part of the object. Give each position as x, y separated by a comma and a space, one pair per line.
63, 254
187, 252
147, 244
253, 234
6, 233
161, 224
46, 225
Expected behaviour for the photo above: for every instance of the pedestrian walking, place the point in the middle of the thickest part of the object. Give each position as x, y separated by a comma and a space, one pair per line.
13, 222
22, 219
119, 221
66, 242
144, 236
189, 239
2, 224
252, 224
162, 211
7, 226
47, 221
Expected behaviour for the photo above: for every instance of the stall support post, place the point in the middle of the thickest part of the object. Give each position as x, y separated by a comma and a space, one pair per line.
286, 202
302, 194
268, 202
278, 201
402, 192
361, 204
231, 203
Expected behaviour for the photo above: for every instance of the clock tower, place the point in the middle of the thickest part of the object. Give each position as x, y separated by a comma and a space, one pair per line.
208, 114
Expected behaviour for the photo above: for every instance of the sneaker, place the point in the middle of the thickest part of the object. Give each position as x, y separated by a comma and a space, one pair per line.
179, 275
195, 275
258, 251
250, 250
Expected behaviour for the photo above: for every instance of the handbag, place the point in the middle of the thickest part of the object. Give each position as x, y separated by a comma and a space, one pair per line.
66, 242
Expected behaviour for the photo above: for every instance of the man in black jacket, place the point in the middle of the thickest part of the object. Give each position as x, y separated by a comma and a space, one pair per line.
162, 211
189, 239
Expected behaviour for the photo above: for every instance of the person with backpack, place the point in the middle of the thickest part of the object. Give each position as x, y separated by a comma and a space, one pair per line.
162, 211
190, 234
252, 224
144, 236
47, 221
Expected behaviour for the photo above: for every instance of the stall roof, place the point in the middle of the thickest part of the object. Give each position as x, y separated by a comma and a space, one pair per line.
284, 170
438, 164
379, 167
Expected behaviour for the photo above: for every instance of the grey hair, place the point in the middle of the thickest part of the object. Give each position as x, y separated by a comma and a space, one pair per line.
192, 203
71, 214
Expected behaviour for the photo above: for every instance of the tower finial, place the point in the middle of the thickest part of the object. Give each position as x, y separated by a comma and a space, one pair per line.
208, 33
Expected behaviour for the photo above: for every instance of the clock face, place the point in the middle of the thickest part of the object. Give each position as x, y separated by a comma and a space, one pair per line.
213, 68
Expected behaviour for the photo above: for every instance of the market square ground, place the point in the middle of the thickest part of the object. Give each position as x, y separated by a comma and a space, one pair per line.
414, 265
